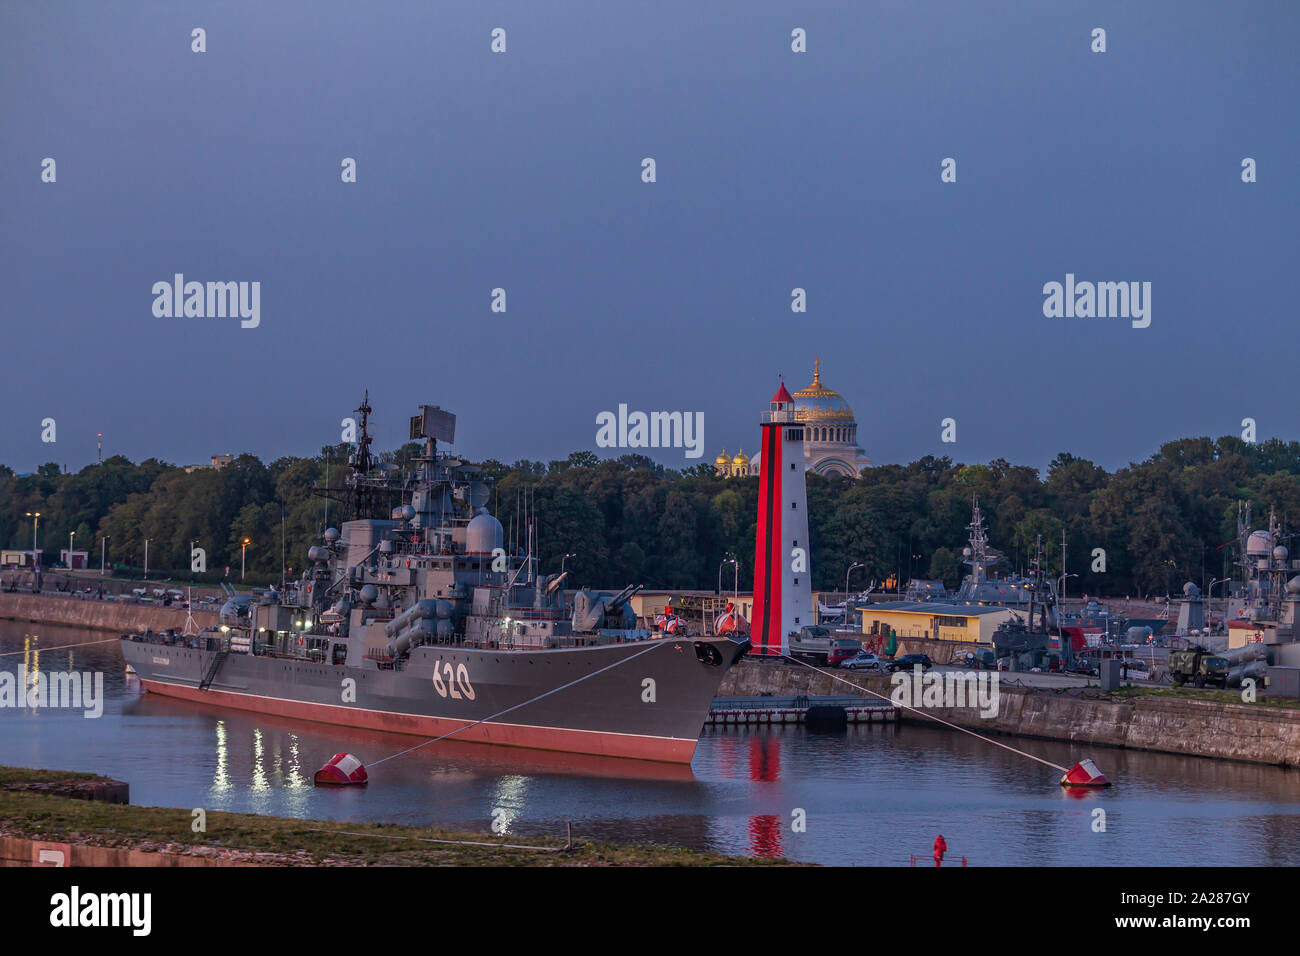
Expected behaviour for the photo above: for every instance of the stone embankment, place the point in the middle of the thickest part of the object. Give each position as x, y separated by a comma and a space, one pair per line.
100, 615
1257, 733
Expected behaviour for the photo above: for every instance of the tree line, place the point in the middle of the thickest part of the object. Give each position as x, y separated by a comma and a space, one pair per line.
1142, 529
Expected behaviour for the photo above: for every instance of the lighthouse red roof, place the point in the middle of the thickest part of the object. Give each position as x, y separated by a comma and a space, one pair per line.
782, 395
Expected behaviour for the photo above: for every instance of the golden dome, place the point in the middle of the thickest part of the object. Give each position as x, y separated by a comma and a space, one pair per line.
741, 458
817, 403
722, 459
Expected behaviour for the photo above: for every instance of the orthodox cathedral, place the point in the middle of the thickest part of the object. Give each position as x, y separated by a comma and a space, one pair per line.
830, 445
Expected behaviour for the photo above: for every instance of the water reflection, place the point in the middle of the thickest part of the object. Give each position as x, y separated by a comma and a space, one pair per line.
874, 794
221, 774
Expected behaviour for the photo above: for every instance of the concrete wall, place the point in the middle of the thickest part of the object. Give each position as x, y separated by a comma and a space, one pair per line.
19, 851
941, 652
101, 615
1257, 733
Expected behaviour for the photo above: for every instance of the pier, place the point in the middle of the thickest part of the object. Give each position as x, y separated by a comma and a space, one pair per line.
796, 710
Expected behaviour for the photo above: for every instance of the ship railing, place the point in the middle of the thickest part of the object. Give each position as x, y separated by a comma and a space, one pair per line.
177, 639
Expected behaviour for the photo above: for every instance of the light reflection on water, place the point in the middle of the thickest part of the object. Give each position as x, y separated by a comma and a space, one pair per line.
872, 795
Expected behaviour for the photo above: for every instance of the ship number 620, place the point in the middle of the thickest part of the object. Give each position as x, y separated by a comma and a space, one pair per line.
455, 678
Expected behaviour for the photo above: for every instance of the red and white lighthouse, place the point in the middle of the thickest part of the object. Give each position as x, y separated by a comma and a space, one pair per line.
782, 582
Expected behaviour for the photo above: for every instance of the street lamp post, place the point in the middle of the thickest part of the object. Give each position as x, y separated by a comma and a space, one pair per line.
724, 563
852, 567
146, 559
36, 523
1061, 588
1209, 600
71, 535
243, 550
103, 553
566, 558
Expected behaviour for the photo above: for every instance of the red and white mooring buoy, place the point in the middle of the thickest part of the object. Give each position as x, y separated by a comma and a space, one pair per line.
1084, 774
340, 771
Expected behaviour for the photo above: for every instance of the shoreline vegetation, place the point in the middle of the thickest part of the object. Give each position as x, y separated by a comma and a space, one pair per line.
1141, 530
280, 841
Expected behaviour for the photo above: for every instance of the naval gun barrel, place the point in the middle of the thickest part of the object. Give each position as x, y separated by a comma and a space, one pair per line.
556, 583
621, 598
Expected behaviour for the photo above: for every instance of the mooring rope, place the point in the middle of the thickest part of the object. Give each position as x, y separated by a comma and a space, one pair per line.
656, 643
964, 730
59, 647
494, 846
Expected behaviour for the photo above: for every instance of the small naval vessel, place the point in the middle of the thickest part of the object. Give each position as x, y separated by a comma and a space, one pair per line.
1014, 590
414, 618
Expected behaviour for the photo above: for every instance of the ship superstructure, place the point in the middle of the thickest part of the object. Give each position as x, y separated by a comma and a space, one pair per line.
1021, 592
422, 621
1264, 606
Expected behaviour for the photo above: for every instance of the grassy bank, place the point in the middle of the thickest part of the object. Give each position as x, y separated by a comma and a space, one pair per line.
1191, 693
279, 841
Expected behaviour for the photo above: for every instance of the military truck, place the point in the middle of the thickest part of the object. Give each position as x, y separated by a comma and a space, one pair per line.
1198, 667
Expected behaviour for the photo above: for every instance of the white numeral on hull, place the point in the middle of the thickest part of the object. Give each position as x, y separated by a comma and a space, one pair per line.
457, 678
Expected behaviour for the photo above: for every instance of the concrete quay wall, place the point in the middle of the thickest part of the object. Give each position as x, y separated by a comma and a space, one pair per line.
1256, 733
100, 615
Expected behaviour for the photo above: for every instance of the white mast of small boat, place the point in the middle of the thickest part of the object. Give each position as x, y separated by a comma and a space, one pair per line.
190, 627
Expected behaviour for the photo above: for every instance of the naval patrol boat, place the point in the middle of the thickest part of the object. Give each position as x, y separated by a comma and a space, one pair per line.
421, 622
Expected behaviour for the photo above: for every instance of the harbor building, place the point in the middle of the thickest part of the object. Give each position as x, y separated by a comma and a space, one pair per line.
960, 623
75, 558
830, 443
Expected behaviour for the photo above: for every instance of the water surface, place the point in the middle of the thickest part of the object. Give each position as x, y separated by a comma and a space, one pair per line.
872, 795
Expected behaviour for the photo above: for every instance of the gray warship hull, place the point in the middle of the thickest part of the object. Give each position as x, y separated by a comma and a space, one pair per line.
643, 699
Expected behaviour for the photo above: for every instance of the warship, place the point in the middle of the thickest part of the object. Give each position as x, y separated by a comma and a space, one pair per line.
1018, 592
414, 618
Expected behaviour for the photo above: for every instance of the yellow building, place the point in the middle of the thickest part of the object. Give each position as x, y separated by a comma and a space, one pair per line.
966, 623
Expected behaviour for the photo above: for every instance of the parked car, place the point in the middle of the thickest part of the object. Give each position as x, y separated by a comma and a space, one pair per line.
909, 661
864, 661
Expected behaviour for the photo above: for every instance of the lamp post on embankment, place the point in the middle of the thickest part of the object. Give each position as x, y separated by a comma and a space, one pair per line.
725, 561
36, 523
1209, 603
852, 567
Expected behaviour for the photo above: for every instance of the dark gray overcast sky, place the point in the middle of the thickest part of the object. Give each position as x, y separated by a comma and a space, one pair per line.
523, 171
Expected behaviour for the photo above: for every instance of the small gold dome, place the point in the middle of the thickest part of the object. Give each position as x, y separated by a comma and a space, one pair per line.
722, 459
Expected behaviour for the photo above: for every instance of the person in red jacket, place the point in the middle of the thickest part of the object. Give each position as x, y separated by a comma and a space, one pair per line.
940, 848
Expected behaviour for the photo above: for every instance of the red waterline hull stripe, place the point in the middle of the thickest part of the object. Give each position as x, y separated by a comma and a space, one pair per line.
604, 744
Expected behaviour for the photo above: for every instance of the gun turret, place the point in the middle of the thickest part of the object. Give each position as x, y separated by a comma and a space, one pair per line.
620, 599
591, 612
